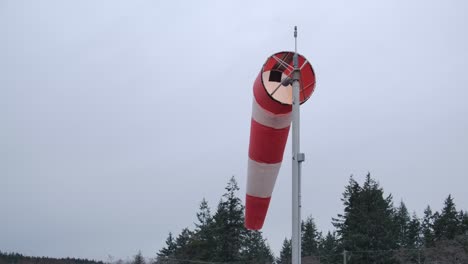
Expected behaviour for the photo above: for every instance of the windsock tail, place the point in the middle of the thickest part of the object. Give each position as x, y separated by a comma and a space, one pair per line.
255, 211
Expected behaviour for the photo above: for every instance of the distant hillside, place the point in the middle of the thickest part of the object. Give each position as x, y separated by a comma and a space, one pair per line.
15, 258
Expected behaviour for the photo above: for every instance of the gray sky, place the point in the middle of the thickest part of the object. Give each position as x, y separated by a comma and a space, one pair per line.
118, 117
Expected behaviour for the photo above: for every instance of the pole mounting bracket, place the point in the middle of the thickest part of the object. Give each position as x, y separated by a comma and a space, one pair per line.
300, 157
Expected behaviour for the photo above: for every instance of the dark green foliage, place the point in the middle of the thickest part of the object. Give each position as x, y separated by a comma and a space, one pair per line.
427, 228
10, 258
204, 216
221, 237
413, 236
310, 237
463, 216
370, 228
138, 259
330, 249
447, 225
169, 250
184, 250
255, 249
368, 222
229, 225
402, 220
285, 253
203, 241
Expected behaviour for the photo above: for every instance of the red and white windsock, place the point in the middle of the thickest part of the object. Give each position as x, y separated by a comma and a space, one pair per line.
271, 119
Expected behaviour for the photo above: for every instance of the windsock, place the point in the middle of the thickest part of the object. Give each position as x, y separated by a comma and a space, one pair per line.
271, 119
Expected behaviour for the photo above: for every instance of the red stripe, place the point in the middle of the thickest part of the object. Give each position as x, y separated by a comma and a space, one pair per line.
266, 101
267, 144
255, 211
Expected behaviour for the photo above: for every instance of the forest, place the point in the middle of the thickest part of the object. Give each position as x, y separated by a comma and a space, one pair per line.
370, 229
9, 258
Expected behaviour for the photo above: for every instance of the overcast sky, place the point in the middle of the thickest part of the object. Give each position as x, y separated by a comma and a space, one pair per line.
118, 117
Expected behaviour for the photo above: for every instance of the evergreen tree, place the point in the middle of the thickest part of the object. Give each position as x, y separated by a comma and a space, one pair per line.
436, 226
218, 238
463, 219
285, 253
10, 258
413, 238
350, 201
447, 226
202, 241
368, 222
204, 216
169, 250
402, 220
229, 228
183, 248
310, 237
255, 250
329, 249
138, 259
427, 228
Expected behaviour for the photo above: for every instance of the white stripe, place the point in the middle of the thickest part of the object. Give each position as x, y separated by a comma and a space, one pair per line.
268, 118
261, 178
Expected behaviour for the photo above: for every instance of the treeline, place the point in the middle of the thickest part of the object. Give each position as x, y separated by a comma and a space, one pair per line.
218, 237
369, 230
15, 258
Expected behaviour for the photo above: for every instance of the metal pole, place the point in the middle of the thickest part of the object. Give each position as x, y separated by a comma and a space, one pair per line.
297, 158
344, 256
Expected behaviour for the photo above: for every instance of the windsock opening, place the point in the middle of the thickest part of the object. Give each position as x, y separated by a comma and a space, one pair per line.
278, 69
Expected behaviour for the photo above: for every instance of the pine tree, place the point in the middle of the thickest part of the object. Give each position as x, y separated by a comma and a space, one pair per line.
255, 250
204, 215
202, 242
402, 220
368, 222
427, 228
229, 225
413, 237
138, 259
349, 200
329, 248
169, 250
183, 246
447, 226
218, 238
285, 253
310, 237
463, 219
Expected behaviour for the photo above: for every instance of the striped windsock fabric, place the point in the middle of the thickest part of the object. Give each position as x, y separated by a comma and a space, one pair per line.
271, 119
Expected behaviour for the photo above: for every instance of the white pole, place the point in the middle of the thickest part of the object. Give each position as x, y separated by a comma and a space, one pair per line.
297, 158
